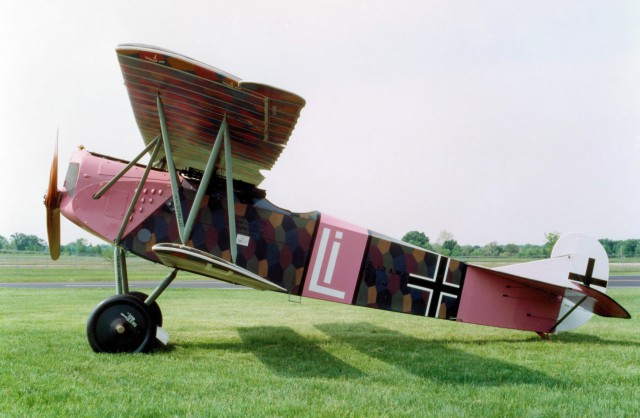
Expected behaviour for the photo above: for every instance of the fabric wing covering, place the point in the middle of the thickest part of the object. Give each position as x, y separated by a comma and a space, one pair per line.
196, 97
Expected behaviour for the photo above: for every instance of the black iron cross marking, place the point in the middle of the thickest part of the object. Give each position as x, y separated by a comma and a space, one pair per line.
436, 286
587, 279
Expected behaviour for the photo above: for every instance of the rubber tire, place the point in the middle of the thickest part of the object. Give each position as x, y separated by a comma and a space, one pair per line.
154, 309
121, 324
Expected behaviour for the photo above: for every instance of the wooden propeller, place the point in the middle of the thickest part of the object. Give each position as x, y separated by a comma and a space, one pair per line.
52, 203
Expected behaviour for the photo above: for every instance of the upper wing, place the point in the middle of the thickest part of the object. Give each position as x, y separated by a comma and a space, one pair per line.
196, 97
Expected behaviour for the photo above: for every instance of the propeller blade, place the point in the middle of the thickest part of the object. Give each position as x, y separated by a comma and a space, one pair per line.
52, 203
53, 232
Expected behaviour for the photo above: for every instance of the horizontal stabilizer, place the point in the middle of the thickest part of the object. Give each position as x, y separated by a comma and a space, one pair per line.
543, 285
195, 261
597, 302
553, 271
603, 305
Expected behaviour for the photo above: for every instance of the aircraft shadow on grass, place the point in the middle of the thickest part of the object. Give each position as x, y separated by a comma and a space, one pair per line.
286, 353
433, 359
289, 354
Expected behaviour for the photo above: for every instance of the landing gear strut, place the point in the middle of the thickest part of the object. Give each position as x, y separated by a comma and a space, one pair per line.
131, 321
154, 308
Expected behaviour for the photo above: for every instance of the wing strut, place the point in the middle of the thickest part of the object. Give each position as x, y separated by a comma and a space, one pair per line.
172, 169
266, 118
136, 195
184, 230
122, 172
119, 258
231, 206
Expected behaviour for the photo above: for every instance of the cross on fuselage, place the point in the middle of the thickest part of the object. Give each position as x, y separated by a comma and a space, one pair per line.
437, 287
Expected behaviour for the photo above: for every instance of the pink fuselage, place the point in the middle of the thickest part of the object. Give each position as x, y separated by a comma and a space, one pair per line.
308, 254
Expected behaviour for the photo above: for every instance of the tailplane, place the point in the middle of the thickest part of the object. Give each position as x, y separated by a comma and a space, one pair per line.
579, 264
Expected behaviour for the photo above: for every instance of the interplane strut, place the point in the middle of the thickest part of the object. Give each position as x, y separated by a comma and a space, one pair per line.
184, 229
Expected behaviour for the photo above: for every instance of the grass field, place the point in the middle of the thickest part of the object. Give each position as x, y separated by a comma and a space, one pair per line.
30, 268
250, 353
25, 268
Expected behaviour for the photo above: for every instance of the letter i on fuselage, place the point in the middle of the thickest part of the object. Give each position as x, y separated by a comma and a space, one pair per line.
333, 256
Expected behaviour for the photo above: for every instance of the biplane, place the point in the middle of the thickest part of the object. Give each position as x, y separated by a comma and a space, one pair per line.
196, 206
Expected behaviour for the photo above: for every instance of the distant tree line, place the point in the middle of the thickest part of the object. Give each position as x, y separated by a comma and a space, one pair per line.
447, 245
31, 243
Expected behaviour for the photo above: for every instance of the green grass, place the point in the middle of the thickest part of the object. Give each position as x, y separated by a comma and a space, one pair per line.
34, 268
249, 353
624, 269
29, 268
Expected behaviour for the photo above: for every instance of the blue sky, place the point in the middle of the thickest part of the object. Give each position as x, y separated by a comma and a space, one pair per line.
494, 120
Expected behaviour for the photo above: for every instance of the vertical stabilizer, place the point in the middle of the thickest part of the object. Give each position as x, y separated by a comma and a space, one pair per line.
577, 261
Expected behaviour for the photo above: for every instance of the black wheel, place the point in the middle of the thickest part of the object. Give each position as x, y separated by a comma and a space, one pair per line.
121, 324
154, 308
